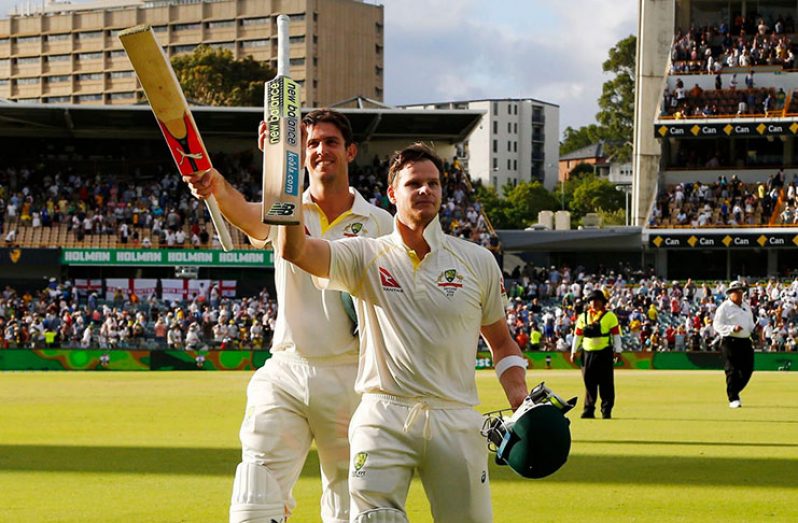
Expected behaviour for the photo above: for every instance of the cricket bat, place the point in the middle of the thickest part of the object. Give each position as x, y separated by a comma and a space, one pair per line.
171, 110
283, 172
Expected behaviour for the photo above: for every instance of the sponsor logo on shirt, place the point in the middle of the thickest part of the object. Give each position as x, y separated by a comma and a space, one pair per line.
354, 229
358, 462
450, 281
389, 283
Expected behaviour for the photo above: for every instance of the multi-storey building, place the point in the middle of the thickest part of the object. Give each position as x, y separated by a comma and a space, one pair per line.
69, 53
516, 140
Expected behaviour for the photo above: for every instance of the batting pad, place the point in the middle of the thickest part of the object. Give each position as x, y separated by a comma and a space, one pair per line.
382, 515
257, 497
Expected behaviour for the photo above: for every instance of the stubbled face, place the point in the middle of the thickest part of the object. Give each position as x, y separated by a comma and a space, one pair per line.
736, 297
327, 155
416, 192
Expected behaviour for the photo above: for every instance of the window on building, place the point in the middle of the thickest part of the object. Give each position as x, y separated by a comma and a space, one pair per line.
89, 97
90, 76
88, 35
515, 147
119, 53
297, 17
89, 56
495, 146
509, 164
160, 28
28, 60
187, 27
495, 127
60, 37
4, 82
247, 44
509, 147
28, 39
121, 74
297, 61
57, 79
28, 81
495, 109
495, 163
56, 100
261, 20
509, 127
509, 109
121, 96
515, 128
515, 165
296, 39
515, 108
57, 58
180, 49
220, 24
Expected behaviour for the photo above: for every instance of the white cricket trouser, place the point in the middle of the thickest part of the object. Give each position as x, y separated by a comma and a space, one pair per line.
392, 437
292, 401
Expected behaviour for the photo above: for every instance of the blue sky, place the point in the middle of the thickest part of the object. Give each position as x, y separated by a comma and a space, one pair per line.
552, 50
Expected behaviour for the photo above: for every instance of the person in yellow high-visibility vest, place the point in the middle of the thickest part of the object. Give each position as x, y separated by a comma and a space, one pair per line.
598, 333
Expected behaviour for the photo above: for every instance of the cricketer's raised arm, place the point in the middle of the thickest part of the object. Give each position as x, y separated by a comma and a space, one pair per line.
312, 255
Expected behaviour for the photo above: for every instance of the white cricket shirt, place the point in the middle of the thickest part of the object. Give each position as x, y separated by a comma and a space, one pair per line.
310, 322
419, 321
730, 314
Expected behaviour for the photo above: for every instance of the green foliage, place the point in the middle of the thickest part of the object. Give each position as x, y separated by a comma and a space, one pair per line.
592, 194
575, 139
616, 106
213, 77
612, 218
520, 206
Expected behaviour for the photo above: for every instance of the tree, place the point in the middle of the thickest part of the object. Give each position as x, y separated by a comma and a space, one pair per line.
594, 194
575, 139
616, 107
520, 206
617, 101
213, 77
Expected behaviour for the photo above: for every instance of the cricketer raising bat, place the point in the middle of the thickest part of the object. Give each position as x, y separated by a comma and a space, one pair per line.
283, 172
171, 110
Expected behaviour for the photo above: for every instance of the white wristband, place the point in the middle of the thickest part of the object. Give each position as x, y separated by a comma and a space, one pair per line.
510, 361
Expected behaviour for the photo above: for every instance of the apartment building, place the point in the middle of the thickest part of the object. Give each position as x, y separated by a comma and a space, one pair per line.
57, 52
516, 140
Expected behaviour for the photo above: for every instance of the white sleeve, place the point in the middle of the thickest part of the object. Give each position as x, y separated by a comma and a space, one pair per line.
346, 266
718, 324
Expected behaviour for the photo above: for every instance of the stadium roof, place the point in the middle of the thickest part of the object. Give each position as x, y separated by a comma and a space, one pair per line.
136, 122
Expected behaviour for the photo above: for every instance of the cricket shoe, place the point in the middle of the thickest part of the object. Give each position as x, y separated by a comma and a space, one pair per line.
736, 404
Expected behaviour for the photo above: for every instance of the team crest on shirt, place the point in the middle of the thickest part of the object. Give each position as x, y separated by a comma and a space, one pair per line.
358, 462
449, 282
354, 229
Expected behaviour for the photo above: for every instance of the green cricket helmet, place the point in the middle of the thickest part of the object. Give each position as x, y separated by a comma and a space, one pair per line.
536, 439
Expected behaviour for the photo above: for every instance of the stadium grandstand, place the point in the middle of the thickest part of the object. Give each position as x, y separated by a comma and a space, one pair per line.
715, 133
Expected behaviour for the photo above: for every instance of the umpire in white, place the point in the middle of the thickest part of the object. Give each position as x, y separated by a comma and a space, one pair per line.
734, 322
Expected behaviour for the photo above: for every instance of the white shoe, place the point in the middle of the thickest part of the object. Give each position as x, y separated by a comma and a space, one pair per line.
736, 404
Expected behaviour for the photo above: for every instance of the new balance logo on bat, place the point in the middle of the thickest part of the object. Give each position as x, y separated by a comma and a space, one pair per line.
282, 209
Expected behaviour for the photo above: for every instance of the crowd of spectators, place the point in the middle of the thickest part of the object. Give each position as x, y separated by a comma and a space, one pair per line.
746, 42
725, 203
655, 315
59, 316
158, 210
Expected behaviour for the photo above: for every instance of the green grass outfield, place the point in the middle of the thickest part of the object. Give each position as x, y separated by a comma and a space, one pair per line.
163, 446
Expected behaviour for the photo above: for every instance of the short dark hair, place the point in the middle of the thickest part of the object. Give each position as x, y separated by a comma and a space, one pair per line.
335, 118
415, 152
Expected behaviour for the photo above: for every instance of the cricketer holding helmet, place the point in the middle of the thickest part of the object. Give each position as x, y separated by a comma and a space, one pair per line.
598, 333
305, 391
423, 300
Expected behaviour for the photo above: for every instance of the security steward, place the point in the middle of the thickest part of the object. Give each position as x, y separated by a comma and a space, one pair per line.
734, 323
598, 333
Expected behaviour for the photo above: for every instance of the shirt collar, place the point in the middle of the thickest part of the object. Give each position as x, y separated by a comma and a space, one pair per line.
360, 206
433, 234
